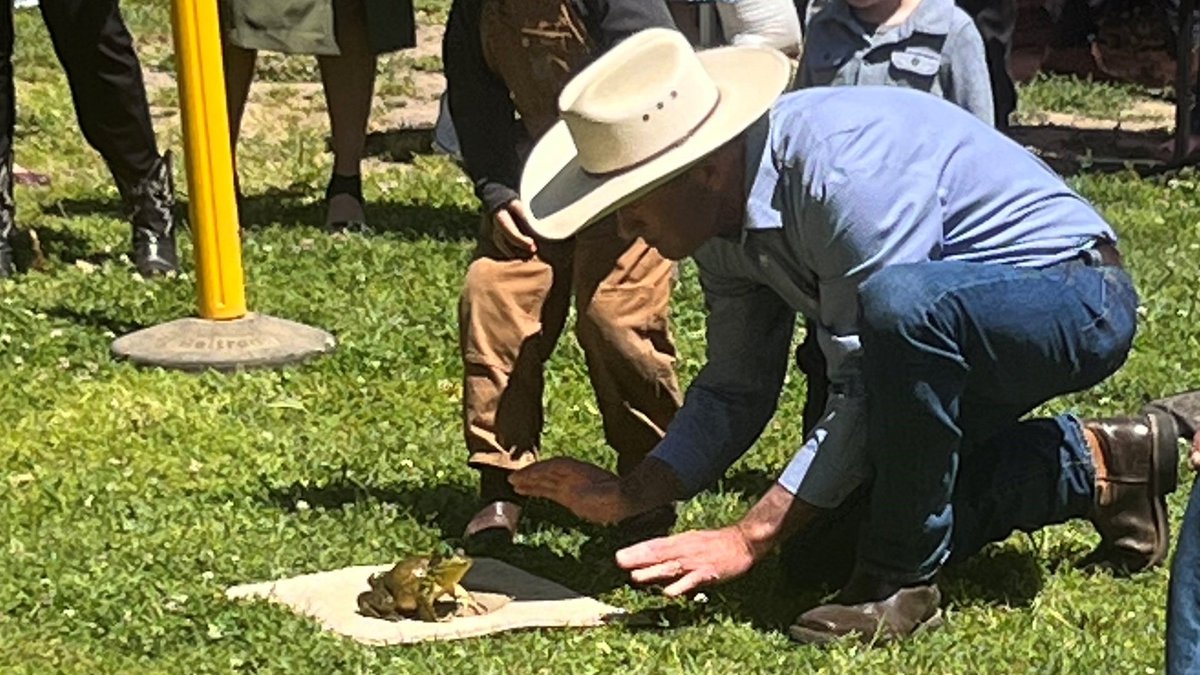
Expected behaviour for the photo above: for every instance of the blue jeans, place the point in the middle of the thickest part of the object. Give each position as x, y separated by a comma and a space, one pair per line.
954, 354
1183, 600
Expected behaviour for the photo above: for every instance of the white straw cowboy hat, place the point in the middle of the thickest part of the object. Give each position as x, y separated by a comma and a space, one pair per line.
638, 116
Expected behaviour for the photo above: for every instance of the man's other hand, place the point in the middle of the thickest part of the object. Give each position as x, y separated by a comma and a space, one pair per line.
590, 492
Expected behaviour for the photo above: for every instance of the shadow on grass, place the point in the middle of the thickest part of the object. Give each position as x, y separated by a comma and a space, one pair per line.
448, 507
66, 246
299, 205
96, 319
1072, 150
62, 245
762, 598
768, 598
998, 575
406, 220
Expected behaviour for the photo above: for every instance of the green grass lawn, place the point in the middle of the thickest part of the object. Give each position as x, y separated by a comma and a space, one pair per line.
129, 499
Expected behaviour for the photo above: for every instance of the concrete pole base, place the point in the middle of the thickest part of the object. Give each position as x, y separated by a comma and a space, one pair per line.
253, 341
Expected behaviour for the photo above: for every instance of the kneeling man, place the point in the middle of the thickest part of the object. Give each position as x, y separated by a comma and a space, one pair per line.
956, 281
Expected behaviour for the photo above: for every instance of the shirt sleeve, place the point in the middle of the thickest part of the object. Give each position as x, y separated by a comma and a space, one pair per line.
482, 111
735, 394
873, 216
967, 80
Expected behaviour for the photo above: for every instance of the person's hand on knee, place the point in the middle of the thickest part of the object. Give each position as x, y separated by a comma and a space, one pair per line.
510, 230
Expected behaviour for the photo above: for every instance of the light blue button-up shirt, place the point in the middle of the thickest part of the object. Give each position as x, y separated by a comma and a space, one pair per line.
843, 181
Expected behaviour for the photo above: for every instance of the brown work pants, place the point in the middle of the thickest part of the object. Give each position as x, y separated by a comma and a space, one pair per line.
511, 314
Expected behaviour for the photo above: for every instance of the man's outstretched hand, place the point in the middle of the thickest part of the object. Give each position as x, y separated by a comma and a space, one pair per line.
1194, 457
590, 492
689, 560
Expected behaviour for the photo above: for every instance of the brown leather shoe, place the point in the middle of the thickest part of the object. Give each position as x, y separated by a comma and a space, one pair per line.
898, 615
1130, 511
493, 525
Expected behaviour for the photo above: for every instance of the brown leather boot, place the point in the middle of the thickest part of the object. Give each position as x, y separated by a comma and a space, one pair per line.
872, 611
1141, 457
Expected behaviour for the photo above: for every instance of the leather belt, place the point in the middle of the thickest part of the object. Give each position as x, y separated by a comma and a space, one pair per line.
1103, 254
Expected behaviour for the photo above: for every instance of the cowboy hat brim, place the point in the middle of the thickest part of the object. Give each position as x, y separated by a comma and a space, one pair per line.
562, 198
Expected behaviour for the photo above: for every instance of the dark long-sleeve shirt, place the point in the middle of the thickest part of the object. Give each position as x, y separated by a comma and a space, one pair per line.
480, 105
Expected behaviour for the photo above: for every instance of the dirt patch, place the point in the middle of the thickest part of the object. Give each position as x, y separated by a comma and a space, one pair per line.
1070, 143
408, 86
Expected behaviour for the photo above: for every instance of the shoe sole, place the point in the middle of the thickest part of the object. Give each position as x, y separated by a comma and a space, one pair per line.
809, 636
1164, 476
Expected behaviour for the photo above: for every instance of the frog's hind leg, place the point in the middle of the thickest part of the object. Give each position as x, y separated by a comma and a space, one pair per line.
463, 598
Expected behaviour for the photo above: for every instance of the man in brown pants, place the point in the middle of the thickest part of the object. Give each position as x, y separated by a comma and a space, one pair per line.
514, 56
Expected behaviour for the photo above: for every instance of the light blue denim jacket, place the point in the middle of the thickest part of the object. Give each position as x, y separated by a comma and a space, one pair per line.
843, 181
936, 50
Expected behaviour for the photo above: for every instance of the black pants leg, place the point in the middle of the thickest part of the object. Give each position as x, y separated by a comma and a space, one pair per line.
96, 51
8, 108
996, 20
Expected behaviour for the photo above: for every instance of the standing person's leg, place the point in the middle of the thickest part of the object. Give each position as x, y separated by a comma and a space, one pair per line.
936, 336
7, 124
622, 299
349, 81
1183, 599
1167, 150
239, 65
622, 295
96, 51
996, 20
511, 313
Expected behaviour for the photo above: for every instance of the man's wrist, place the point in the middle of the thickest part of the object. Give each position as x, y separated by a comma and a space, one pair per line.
777, 516
758, 536
649, 485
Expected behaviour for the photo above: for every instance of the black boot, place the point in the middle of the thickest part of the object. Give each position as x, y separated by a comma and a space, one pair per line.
150, 207
8, 224
346, 185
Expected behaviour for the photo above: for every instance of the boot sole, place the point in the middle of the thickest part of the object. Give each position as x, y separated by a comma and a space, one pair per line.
1165, 476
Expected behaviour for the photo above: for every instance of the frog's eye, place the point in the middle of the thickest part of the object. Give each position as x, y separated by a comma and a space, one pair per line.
420, 574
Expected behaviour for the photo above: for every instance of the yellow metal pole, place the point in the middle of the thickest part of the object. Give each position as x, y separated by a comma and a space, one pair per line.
220, 285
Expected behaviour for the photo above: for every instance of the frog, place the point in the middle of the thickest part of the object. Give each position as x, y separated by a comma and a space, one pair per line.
414, 584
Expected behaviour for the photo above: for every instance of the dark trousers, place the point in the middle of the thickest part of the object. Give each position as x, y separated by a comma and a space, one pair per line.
96, 51
996, 20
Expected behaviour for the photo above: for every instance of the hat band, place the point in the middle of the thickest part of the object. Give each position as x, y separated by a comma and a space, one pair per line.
655, 155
